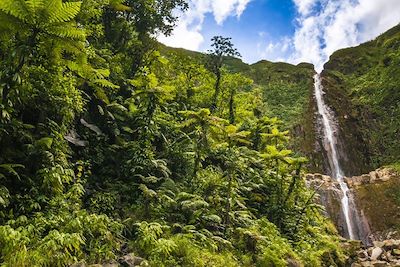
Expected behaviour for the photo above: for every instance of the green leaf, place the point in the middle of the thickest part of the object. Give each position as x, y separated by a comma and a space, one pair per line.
45, 142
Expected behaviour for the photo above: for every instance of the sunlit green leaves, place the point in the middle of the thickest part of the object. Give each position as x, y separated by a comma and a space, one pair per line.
45, 16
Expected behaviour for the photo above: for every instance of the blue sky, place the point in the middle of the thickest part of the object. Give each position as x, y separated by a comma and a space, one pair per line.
284, 30
262, 22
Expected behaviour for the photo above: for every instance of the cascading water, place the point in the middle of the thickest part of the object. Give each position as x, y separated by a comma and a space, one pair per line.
330, 142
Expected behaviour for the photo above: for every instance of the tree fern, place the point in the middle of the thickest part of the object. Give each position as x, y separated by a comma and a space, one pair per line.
52, 17
62, 12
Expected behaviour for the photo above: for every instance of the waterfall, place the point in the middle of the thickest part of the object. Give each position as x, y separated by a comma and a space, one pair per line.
330, 142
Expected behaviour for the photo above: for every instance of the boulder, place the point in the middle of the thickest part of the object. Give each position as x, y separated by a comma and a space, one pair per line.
318, 176
365, 179
387, 256
373, 175
130, 260
378, 176
293, 263
380, 264
376, 253
378, 244
362, 255
366, 264
391, 244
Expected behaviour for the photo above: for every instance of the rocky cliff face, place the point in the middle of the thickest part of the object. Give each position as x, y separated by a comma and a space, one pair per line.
376, 200
328, 195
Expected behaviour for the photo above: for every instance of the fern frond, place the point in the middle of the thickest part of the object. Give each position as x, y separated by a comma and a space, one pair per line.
65, 31
52, 6
64, 12
105, 83
17, 9
34, 5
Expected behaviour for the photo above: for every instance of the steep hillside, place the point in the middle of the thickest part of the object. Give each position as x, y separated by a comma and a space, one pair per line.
286, 87
363, 88
287, 92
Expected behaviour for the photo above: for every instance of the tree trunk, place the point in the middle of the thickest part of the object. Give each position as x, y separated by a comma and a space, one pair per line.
292, 185
216, 93
232, 108
228, 201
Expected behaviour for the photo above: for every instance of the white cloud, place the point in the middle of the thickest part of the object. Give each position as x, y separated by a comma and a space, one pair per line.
338, 24
188, 34
224, 8
304, 7
275, 51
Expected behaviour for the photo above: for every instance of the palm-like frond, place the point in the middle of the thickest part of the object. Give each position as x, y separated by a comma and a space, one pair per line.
51, 17
34, 5
66, 31
62, 12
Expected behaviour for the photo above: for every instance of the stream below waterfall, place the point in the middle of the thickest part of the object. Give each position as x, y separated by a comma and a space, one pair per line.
329, 130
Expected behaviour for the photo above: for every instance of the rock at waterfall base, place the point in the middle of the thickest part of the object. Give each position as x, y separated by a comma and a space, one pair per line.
376, 253
383, 253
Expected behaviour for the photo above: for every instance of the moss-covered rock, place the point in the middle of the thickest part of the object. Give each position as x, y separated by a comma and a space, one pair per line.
377, 197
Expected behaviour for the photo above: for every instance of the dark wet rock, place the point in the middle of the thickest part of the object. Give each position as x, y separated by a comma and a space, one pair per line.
328, 195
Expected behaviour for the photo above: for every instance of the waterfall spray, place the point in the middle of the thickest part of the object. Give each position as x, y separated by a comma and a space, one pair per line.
330, 142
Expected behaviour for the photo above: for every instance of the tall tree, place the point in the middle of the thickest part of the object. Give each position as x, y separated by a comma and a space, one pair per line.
222, 47
234, 83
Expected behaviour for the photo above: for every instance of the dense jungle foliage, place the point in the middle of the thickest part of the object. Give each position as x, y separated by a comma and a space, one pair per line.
109, 147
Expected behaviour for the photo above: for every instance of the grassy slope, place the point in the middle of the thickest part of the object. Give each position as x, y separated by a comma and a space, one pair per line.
367, 77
